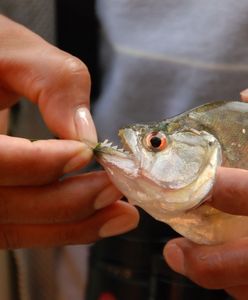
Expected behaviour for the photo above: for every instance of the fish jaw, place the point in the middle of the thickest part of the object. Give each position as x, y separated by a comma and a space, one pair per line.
123, 170
126, 176
117, 164
115, 160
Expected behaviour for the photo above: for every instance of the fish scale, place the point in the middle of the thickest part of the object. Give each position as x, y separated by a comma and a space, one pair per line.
226, 121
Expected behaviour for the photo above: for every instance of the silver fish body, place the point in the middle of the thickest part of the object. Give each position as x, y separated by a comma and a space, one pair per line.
169, 168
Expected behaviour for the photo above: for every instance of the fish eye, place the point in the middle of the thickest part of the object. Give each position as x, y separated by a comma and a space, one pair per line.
155, 141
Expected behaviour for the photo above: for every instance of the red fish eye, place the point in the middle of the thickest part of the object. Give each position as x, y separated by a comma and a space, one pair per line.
156, 141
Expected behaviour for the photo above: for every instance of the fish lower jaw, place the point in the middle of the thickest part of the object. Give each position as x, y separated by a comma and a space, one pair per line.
118, 166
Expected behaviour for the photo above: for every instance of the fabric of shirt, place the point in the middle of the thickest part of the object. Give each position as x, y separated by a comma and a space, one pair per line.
163, 57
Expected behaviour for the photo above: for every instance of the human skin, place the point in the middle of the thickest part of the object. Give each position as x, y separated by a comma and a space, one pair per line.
37, 207
222, 266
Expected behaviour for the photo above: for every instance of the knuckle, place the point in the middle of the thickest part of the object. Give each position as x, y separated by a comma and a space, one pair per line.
64, 71
208, 270
73, 65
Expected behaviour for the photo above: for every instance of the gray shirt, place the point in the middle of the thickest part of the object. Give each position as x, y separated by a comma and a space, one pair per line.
165, 56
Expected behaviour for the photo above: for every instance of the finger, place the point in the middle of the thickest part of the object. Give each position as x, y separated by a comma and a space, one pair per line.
4, 121
34, 163
56, 81
70, 200
239, 292
230, 191
214, 267
7, 97
112, 220
244, 95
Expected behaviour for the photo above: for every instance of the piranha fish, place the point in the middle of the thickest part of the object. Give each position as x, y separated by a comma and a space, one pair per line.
168, 168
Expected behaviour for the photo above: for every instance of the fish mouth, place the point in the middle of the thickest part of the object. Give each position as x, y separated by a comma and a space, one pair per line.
108, 148
116, 160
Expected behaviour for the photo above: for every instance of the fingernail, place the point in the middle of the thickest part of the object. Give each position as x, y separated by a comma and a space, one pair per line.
79, 160
109, 195
85, 126
175, 257
117, 225
244, 94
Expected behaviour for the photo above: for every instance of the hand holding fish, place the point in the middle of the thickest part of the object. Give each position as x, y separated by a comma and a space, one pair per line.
221, 266
37, 208
169, 168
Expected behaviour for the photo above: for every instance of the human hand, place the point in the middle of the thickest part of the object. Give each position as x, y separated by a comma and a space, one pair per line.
36, 208
222, 266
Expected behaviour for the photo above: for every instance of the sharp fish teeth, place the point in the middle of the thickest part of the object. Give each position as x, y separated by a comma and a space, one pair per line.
109, 145
106, 143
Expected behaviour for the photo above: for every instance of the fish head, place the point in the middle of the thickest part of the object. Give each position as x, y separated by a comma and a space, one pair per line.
162, 171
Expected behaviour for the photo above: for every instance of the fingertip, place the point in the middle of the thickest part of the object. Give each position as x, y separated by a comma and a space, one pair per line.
174, 254
118, 225
109, 195
85, 128
126, 218
244, 95
78, 161
130, 210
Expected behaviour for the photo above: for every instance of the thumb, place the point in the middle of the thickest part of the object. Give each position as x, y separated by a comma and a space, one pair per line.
229, 193
213, 267
54, 80
244, 95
